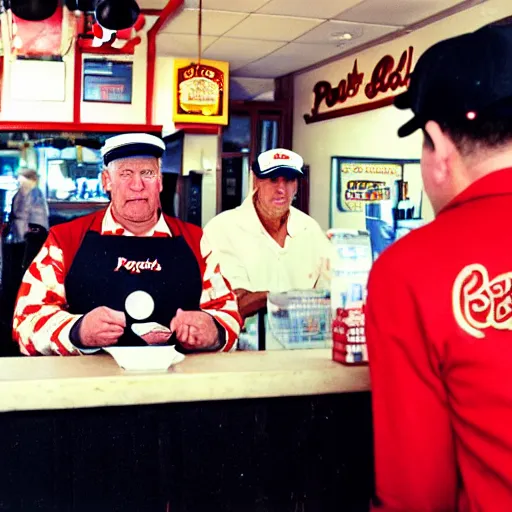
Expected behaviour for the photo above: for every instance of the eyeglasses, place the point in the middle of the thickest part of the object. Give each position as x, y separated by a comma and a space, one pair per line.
145, 174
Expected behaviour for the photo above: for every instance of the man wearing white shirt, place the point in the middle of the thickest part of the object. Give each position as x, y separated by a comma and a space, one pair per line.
266, 245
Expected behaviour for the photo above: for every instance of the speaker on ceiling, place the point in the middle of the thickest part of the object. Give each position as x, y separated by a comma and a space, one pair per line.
34, 10
117, 14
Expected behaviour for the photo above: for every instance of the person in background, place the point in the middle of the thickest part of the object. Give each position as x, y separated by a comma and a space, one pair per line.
266, 245
128, 274
29, 215
439, 310
22, 238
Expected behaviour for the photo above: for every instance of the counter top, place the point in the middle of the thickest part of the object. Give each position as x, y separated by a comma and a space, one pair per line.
52, 382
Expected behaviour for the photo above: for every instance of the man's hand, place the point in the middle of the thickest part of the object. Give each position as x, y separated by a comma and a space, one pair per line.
101, 327
249, 303
195, 329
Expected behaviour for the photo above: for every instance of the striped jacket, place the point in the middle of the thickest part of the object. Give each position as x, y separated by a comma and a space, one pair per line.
42, 323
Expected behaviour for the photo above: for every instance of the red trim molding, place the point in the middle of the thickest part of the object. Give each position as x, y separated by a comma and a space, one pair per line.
11, 126
348, 111
170, 10
127, 49
151, 12
198, 128
77, 85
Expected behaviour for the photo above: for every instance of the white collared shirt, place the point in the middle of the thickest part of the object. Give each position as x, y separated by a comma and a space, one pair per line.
251, 259
109, 225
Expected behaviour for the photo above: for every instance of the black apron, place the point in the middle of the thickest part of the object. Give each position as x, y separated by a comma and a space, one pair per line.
93, 280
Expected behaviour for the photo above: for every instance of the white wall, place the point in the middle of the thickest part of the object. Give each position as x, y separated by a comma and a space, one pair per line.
113, 113
163, 96
200, 151
91, 112
373, 133
200, 154
44, 111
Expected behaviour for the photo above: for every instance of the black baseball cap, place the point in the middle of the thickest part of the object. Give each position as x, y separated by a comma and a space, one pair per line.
461, 79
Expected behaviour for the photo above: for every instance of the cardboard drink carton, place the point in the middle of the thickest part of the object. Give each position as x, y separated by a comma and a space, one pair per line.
351, 264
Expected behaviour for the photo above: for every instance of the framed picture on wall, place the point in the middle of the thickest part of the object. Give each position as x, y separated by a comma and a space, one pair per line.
107, 81
382, 196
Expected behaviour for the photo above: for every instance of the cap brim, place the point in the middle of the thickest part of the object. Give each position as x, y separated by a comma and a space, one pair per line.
280, 170
403, 101
132, 150
410, 127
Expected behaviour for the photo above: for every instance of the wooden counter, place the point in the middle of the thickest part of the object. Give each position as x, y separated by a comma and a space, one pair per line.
44, 383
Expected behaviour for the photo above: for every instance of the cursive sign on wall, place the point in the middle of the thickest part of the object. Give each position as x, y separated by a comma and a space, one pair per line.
387, 75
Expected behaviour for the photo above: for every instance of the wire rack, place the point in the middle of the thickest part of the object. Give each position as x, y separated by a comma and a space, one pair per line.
300, 319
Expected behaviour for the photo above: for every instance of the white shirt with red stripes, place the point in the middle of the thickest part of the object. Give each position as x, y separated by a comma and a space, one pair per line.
42, 323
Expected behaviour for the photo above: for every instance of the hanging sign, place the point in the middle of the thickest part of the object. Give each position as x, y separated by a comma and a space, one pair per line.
360, 91
201, 92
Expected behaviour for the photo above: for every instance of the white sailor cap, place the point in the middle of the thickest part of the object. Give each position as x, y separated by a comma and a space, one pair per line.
277, 162
132, 145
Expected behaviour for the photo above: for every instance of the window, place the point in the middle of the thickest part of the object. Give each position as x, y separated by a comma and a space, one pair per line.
172, 159
268, 135
236, 138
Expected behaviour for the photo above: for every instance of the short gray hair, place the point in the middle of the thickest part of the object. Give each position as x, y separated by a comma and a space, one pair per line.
30, 174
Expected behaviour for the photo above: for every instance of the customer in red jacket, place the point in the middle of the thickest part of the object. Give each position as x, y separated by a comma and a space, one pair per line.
126, 275
439, 312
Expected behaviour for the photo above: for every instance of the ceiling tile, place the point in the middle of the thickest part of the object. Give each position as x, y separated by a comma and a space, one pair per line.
400, 13
249, 88
215, 23
313, 9
239, 52
181, 45
289, 58
228, 5
152, 4
361, 33
150, 21
272, 28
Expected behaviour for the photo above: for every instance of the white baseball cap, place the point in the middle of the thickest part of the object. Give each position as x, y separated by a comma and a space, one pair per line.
277, 161
132, 145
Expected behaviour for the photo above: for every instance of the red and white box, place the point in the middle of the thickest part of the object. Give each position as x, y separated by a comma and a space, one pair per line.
348, 337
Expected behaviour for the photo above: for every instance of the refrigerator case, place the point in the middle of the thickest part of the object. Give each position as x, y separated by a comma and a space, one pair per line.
383, 197
351, 264
188, 198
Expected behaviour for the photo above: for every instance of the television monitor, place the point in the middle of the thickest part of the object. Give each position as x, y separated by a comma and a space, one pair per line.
107, 81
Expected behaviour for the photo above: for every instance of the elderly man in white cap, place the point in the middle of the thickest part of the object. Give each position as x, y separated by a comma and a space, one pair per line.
266, 245
128, 274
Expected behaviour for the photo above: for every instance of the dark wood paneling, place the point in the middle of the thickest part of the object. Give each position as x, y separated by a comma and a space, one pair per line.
308, 454
284, 92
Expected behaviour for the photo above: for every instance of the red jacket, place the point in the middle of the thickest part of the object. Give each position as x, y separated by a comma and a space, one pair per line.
439, 320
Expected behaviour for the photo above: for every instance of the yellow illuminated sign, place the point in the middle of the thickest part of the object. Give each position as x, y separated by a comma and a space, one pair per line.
201, 91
